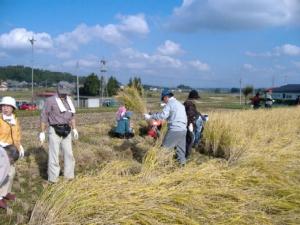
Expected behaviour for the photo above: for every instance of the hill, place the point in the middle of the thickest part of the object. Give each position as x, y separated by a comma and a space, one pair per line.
22, 73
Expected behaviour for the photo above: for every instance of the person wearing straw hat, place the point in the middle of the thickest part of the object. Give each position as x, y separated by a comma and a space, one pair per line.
59, 115
10, 134
174, 113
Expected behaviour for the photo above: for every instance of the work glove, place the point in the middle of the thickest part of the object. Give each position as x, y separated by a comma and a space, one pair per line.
191, 128
21, 152
75, 134
147, 116
42, 137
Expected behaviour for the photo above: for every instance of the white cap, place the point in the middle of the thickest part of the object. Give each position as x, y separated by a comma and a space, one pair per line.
7, 100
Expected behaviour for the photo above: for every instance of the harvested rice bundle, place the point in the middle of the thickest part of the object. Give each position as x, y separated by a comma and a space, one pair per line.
131, 98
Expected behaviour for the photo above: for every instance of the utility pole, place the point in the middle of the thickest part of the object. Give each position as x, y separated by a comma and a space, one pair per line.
77, 83
32, 40
273, 81
240, 91
103, 70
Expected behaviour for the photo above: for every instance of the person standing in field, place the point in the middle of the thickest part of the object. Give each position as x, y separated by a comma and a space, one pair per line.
175, 115
10, 134
268, 99
255, 101
59, 115
195, 122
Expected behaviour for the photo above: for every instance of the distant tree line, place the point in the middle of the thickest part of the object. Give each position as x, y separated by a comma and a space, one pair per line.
22, 73
93, 86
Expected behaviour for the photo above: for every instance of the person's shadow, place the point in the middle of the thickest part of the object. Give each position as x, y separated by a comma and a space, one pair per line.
41, 158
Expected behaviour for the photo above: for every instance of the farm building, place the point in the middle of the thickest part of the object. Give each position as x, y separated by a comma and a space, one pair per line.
87, 102
3, 86
286, 92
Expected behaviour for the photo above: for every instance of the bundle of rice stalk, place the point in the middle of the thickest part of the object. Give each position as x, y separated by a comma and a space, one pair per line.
218, 137
131, 98
157, 156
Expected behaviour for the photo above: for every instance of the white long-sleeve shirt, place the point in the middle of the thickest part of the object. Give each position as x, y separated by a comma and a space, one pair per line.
174, 113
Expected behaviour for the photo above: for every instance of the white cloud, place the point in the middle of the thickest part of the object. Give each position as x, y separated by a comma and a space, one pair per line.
194, 15
261, 54
197, 64
83, 34
18, 39
155, 60
133, 54
3, 55
86, 63
165, 61
71, 40
170, 48
297, 64
111, 33
133, 24
65, 43
288, 49
279, 67
248, 66
63, 55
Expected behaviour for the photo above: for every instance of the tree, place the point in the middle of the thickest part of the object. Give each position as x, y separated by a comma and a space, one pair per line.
234, 90
246, 91
112, 86
91, 85
217, 91
137, 83
22, 73
184, 87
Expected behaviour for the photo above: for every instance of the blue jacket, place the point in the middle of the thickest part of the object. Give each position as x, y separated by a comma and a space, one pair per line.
174, 113
123, 126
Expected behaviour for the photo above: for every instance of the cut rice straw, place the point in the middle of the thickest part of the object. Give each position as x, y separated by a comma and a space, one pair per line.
131, 98
260, 187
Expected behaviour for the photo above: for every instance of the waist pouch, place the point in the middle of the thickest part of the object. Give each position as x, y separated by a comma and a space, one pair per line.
62, 130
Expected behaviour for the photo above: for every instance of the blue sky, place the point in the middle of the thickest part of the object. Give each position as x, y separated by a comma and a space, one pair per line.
200, 43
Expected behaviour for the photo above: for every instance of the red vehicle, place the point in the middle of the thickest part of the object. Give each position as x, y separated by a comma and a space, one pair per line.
28, 106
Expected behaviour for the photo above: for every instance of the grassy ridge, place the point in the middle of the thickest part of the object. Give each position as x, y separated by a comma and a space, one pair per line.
258, 184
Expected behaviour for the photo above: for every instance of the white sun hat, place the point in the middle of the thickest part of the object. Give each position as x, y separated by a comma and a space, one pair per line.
7, 100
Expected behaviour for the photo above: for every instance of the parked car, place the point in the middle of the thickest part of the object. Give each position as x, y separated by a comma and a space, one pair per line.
19, 103
109, 103
28, 106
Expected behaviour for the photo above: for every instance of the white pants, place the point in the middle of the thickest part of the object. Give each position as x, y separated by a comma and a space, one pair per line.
55, 144
6, 188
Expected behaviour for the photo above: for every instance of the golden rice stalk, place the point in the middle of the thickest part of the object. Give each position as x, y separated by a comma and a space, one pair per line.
131, 98
261, 187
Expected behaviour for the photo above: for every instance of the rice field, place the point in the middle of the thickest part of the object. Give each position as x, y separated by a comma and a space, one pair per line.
256, 183
246, 171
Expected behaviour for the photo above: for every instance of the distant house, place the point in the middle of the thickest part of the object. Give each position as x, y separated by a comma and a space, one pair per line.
3, 86
41, 97
286, 92
88, 102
